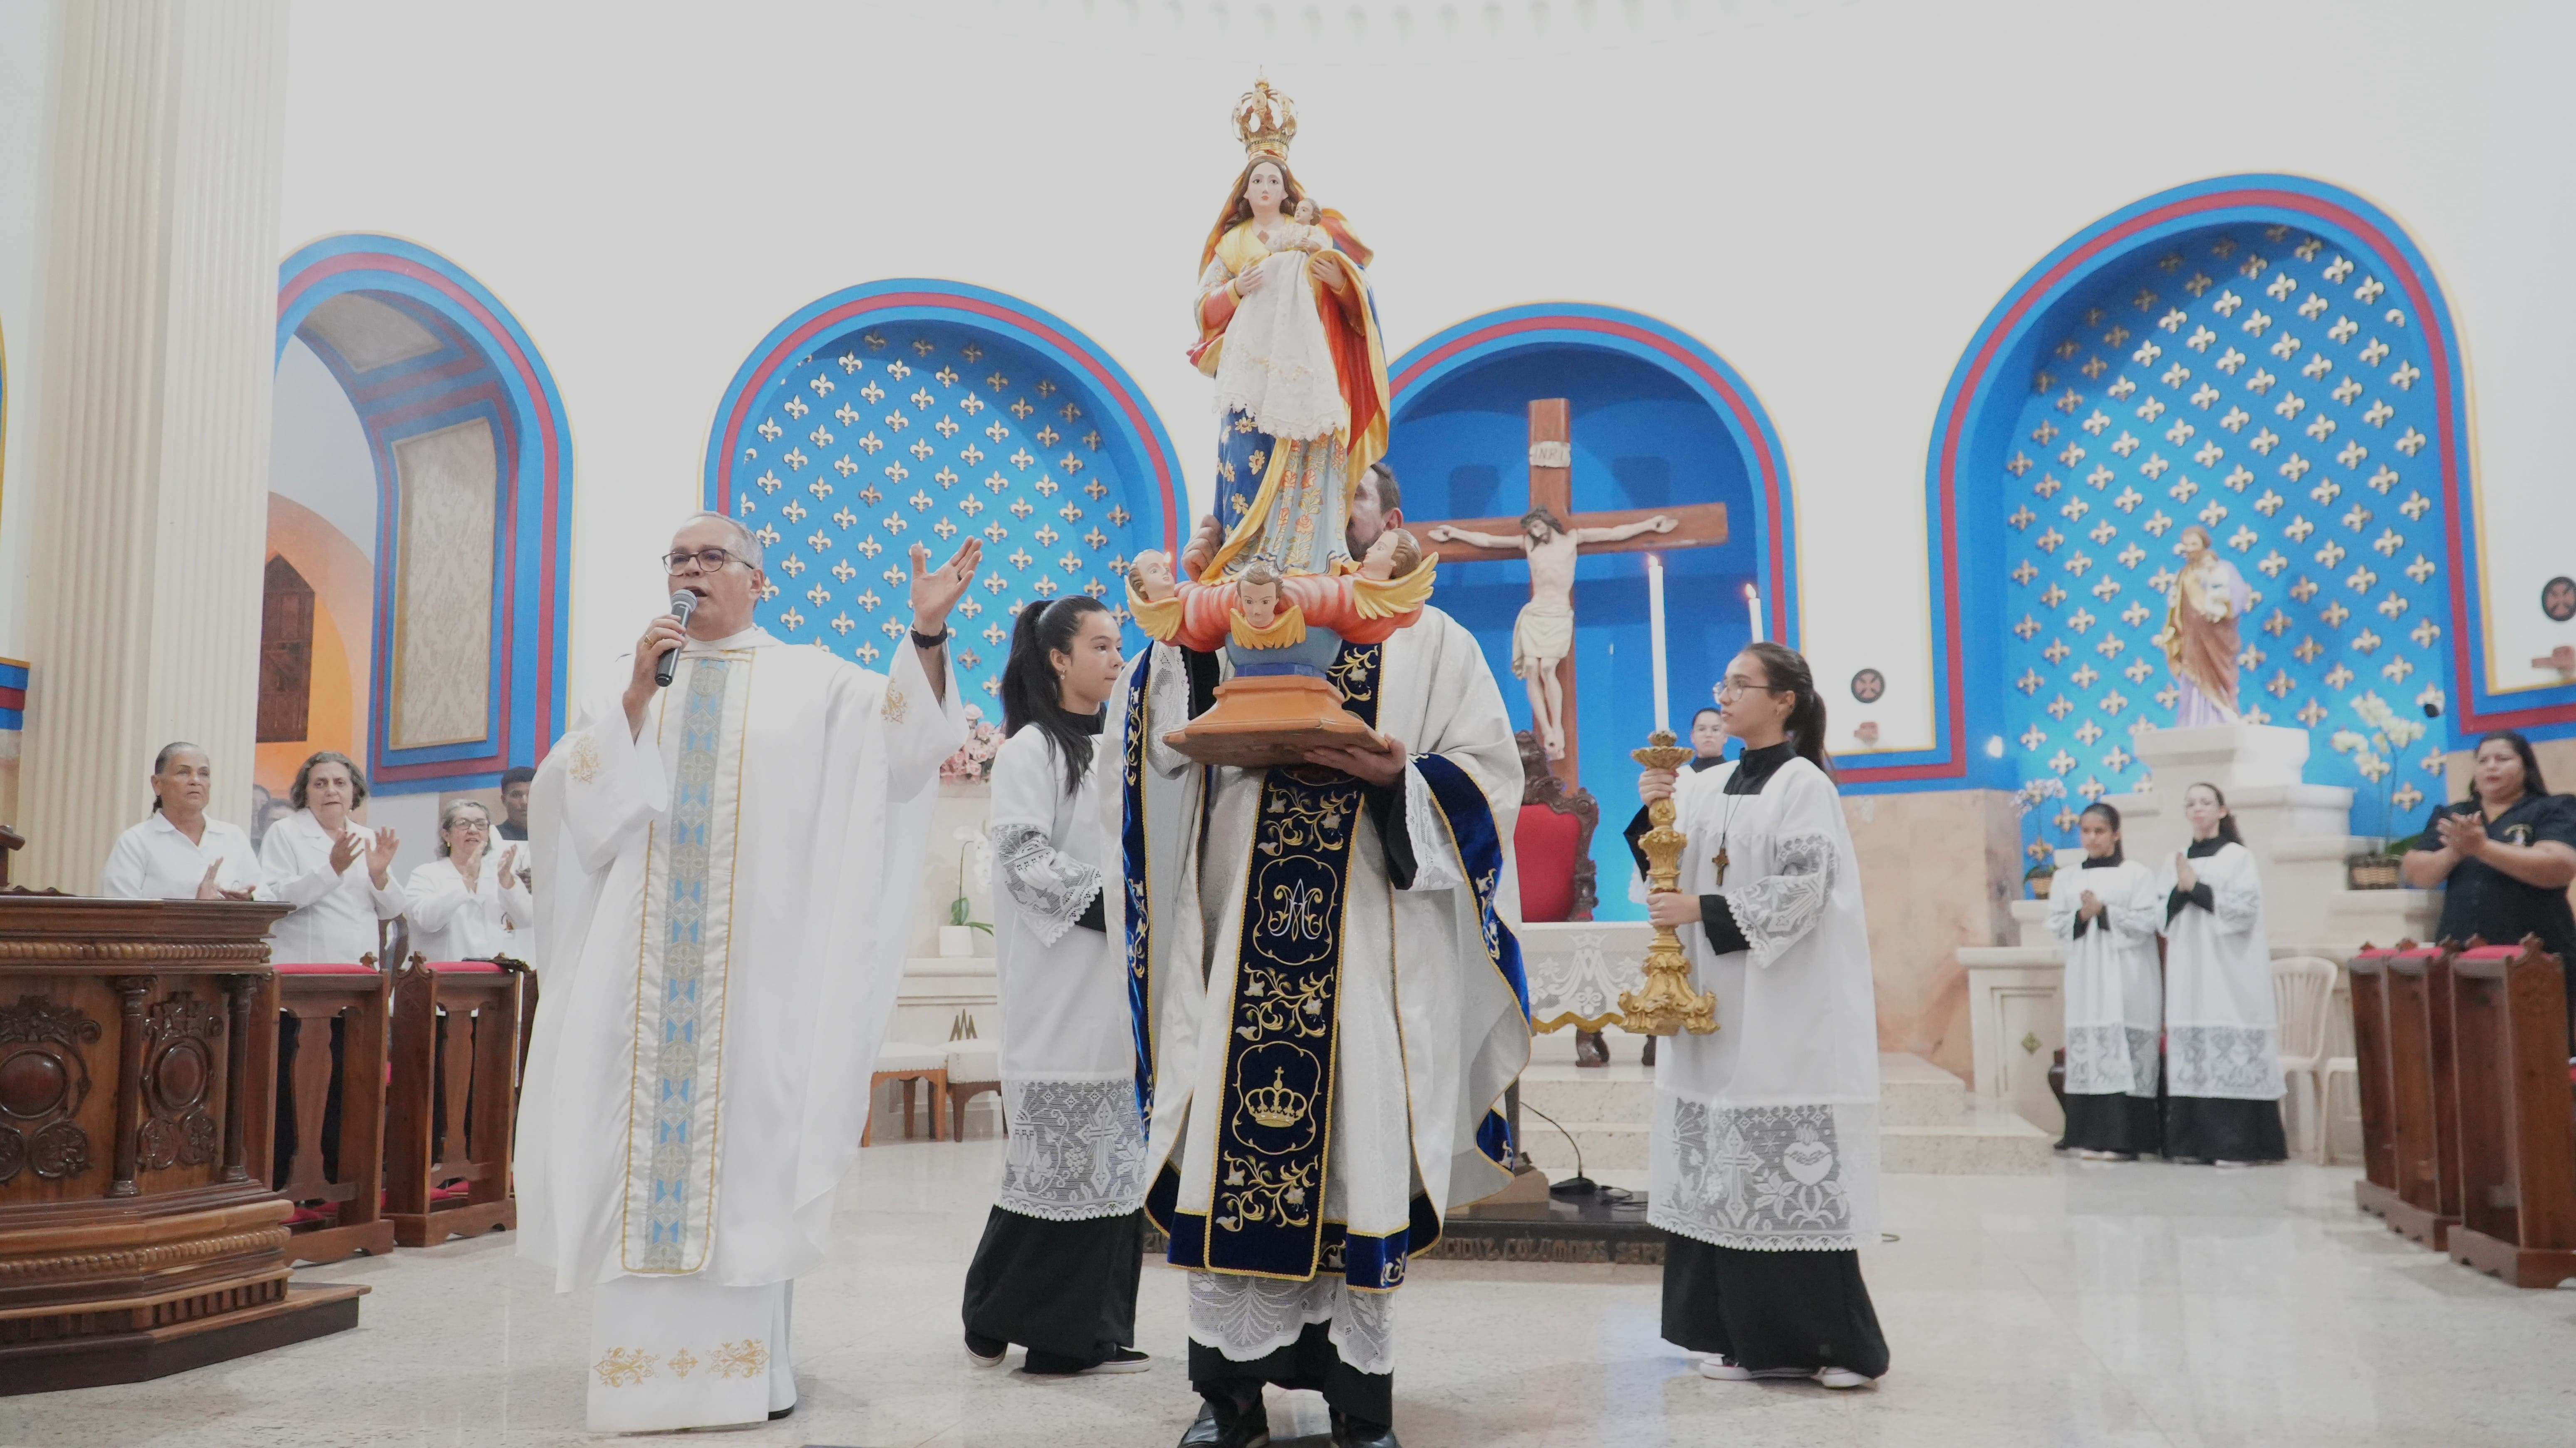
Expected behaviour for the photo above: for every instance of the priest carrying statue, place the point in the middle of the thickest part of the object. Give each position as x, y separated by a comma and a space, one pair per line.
728, 852
1327, 992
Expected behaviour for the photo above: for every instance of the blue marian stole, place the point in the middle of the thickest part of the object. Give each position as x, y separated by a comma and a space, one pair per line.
1275, 1105
1140, 921
1480, 848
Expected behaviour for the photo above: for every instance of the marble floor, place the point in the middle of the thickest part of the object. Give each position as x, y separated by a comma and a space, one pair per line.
2134, 1304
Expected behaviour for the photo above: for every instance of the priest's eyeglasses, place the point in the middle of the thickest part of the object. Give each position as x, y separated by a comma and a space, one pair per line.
705, 560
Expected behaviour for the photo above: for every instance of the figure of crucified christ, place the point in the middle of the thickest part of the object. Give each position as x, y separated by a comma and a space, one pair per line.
1544, 633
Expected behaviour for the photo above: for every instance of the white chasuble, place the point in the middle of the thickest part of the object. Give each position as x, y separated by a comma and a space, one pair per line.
1765, 1135
1418, 1030
2222, 1025
725, 902
2114, 997
1077, 1140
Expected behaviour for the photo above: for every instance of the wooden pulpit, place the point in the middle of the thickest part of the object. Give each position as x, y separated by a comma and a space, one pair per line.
2517, 1126
455, 1099
339, 1203
2378, 1184
2424, 1116
138, 1055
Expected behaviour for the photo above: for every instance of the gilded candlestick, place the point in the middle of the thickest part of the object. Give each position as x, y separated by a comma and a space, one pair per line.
1667, 1005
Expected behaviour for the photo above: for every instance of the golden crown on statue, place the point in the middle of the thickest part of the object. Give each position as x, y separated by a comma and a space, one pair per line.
1266, 121
1276, 1105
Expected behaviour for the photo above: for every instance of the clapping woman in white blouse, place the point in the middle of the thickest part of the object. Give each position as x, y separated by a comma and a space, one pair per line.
178, 853
464, 905
335, 871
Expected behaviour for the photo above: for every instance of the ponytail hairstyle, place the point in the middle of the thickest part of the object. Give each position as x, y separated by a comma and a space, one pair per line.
161, 764
1787, 671
1032, 691
2111, 817
2226, 822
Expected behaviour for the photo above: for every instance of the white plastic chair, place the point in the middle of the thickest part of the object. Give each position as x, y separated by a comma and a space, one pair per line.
2303, 993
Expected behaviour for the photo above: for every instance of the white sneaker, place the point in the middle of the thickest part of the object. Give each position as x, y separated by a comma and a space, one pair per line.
1841, 1378
1720, 1367
2232, 1165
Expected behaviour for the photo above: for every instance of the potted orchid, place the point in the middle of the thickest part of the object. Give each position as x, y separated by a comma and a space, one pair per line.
957, 937
2374, 756
973, 761
2043, 854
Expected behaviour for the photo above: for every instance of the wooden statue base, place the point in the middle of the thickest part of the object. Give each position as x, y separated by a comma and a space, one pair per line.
2416, 1224
2371, 1197
2537, 1267
1270, 719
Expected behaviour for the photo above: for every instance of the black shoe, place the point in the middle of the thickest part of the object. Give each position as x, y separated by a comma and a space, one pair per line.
1236, 1428
777, 1413
986, 1351
1351, 1432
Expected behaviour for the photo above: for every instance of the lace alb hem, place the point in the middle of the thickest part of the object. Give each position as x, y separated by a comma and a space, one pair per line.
2241, 1063
1790, 1178
1076, 1150
1051, 887
1774, 911
2110, 1060
1246, 1318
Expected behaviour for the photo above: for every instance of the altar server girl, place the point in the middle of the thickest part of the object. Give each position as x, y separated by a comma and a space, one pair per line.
1764, 1148
1063, 1247
2222, 1029
2108, 914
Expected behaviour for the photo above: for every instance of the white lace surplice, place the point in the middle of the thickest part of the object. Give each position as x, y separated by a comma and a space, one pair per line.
2114, 1001
1077, 1142
2222, 1027
1766, 1132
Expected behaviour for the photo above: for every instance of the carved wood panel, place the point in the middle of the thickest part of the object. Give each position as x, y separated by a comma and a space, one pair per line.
182, 1038
44, 1081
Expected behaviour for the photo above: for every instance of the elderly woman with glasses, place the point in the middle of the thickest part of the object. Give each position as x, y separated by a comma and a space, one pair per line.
334, 870
464, 904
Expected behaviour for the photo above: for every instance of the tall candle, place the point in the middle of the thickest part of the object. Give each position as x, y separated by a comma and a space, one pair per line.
1753, 611
1655, 626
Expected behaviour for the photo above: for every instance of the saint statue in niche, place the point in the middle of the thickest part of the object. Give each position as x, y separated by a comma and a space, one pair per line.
2200, 639
1544, 633
1287, 331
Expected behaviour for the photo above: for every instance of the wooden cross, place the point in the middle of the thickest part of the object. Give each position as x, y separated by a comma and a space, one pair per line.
1551, 486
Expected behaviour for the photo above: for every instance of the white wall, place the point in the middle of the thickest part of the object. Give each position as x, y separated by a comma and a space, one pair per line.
30, 34
318, 452
1831, 196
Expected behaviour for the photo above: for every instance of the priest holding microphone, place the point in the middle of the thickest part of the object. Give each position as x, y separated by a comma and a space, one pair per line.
731, 837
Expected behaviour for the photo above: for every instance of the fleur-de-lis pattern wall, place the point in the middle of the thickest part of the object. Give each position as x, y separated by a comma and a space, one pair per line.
924, 432
2266, 384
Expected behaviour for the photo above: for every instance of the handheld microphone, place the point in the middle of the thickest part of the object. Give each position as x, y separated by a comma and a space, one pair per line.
683, 604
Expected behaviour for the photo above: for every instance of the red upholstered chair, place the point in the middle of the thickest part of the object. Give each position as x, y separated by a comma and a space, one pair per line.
1552, 841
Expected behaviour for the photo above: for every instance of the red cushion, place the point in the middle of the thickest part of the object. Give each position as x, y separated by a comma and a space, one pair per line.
321, 967
463, 967
1543, 843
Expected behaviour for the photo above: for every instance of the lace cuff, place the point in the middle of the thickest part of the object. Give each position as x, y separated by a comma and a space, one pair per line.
1774, 911
1050, 887
1435, 856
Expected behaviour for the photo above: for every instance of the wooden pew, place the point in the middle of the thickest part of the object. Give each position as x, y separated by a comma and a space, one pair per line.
456, 1051
2518, 1129
347, 1207
2424, 1116
138, 1055
2378, 1184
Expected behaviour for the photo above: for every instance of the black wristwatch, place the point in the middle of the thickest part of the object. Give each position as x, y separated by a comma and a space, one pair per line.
933, 641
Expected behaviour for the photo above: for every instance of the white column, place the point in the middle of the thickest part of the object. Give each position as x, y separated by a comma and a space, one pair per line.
160, 324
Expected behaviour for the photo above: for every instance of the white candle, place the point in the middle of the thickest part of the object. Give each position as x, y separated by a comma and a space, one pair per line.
1655, 626
1753, 611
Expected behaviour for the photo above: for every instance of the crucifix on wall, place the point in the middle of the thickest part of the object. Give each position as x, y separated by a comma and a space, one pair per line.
1549, 536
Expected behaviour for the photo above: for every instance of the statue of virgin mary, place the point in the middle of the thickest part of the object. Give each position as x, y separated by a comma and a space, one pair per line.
1287, 329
